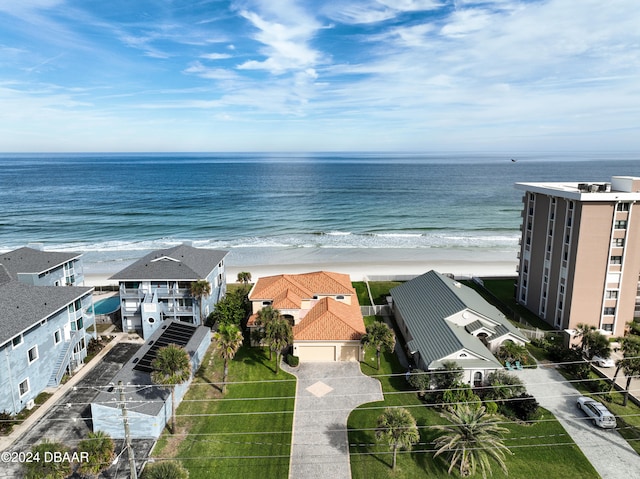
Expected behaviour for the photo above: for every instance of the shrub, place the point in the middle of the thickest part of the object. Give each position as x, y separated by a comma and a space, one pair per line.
419, 380
462, 393
7, 421
292, 360
523, 407
502, 385
165, 470
491, 407
42, 468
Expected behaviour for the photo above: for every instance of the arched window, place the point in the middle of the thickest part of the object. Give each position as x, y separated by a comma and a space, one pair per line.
477, 379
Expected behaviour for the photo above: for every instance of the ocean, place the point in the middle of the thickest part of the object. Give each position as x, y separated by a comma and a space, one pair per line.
116, 207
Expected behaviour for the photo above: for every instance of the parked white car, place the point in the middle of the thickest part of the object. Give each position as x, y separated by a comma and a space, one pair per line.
602, 362
598, 413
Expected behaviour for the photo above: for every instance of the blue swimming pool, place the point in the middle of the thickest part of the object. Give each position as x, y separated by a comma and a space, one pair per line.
106, 305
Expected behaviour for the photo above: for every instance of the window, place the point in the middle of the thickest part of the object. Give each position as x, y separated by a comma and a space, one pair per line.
17, 341
609, 311
622, 207
570, 205
339, 297
620, 224
611, 294
615, 260
33, 354
477, 379
619, 242
56, 337
77, 324
608, 327
24, 387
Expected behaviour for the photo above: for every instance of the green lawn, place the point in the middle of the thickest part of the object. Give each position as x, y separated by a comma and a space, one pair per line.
380, 290
503, 291
238, 435
539, 450
361, 291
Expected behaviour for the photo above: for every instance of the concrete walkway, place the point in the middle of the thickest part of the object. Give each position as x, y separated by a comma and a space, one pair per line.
326, 393
608, 452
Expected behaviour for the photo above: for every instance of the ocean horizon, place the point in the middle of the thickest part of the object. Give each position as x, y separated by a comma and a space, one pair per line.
115, 207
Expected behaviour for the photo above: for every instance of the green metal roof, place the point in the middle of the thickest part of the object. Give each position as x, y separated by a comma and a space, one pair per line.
425, 302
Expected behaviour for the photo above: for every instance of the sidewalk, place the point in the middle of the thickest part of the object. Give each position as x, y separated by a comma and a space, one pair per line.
19, 429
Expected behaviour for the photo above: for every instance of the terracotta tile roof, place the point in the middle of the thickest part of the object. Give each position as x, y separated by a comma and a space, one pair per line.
287, 300
304, 286
331, 320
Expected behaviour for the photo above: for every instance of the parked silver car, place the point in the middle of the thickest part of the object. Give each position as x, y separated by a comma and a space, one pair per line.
598, 413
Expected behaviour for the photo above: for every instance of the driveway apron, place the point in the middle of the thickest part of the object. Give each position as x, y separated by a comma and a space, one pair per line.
326, 394
608, 452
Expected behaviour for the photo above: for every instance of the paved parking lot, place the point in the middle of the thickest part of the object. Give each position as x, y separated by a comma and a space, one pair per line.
608, 452
69, 419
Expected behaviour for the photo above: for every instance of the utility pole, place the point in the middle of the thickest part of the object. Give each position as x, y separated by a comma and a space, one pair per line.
127, 434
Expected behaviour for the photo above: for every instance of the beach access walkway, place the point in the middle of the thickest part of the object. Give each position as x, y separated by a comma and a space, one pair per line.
326, 393
607, 451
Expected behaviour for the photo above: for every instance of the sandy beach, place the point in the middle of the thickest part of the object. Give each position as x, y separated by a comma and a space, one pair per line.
373, 263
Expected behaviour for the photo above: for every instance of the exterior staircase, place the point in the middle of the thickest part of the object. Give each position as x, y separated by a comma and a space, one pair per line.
62, 362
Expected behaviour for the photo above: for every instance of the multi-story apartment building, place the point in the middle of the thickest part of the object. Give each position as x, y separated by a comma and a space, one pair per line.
32, 265
43, 328
157, 287
579, 258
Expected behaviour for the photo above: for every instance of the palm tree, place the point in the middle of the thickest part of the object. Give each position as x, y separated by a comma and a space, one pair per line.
38, 469
398, 427
100, 453
171, 366
244, 277
265, 316
229, 339
279, 335
629, 364
199, 290
472, 438
379, 336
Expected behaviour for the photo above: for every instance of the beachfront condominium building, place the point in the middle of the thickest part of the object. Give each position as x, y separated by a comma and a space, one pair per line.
579, 257
157, 287
43, 336
32, 265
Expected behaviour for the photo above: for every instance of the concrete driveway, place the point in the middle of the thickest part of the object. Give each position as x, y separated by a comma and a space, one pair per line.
608, 452
326, 394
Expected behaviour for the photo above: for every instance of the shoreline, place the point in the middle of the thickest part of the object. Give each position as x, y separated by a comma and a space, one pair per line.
374, 263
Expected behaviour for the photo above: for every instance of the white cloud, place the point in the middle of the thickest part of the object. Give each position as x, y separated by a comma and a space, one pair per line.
285, 41
367, 12
215, 56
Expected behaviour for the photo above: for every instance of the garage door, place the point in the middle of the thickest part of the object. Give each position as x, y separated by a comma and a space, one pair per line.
317, 353
349, 353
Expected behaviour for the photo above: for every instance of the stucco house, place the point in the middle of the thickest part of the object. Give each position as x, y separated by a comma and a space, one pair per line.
444, 320
157, 287
43, 328
323, 309
149, 406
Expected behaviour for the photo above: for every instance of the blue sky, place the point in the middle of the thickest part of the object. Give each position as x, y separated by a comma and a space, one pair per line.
316, 75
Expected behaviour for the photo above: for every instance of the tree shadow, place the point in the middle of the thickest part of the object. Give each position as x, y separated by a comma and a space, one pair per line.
363, 443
